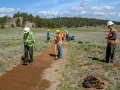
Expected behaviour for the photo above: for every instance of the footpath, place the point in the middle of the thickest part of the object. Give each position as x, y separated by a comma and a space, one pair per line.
30, 77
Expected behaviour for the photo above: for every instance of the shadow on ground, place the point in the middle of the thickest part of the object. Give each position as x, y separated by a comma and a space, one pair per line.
52, 55
97, 59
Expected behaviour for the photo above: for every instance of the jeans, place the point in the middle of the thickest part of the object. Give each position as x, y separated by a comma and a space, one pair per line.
59, 47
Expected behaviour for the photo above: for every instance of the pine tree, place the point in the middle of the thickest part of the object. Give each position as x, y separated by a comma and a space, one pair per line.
12, 25
18, 22
2, 26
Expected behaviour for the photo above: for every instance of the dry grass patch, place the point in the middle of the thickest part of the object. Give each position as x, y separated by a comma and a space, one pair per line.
89, 59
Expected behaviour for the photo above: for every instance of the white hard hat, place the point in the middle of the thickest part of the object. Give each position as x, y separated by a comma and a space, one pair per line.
110, 23
26, 29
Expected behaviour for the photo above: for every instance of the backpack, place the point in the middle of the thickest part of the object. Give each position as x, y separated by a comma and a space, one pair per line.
91, 82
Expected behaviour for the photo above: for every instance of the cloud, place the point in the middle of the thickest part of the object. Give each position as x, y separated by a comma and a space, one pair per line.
69, 8
85, 10
2, 15
18, 9
99, 13
77, 9
104, 8
6, 10
84, 4
52, 14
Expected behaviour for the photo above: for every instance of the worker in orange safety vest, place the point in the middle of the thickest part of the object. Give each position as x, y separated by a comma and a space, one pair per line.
112, 39
62, 35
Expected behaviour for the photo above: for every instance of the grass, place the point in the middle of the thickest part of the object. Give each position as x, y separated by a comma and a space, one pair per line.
89, 59
12, 47
84, 59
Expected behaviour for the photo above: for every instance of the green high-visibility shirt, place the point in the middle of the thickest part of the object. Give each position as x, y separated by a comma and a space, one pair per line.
29, 38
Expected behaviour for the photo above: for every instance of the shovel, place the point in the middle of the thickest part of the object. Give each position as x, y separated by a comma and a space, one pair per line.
56, 57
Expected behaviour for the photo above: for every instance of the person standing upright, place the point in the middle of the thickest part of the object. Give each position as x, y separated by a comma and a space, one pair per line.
112, 39
66, 34
58, 41
28, 39
48, 36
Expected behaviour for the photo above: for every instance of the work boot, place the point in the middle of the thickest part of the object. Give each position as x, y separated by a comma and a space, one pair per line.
110, 61
24, 63
24, 60
31, 61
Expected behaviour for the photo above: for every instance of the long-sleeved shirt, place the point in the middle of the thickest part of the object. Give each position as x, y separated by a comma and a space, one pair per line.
114, 36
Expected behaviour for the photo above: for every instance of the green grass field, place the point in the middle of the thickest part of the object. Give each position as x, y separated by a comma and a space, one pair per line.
89, 59
11, 40
83, 59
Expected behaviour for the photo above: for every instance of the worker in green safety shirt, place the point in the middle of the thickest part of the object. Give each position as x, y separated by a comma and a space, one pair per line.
29, 41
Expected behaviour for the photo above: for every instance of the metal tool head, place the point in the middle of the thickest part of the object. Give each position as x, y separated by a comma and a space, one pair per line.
56, 58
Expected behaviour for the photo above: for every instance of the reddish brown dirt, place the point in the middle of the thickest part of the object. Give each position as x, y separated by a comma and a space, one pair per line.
29, 77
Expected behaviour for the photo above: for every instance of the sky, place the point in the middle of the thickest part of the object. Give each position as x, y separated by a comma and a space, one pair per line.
99, 9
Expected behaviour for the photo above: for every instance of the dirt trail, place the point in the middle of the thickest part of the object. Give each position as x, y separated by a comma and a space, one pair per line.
54, 73
29, 77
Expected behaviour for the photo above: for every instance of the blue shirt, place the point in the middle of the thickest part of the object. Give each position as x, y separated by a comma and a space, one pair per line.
48, 35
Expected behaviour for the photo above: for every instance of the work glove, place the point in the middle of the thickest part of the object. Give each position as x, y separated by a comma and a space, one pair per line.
28, 41
24, 41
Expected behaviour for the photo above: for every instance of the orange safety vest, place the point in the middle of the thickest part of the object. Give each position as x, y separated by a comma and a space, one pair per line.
109, 35
62, 35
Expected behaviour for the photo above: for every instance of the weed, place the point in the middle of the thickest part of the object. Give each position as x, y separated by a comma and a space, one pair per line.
1, 64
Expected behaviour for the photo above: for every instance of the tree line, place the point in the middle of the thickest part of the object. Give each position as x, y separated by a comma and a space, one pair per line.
57, 22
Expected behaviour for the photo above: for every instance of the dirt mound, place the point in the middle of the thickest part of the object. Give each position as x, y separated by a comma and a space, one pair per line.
13, 21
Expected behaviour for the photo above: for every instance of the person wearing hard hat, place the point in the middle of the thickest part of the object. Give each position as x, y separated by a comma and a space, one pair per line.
66, 34
112, 39
48, 36
58, 41
29, 41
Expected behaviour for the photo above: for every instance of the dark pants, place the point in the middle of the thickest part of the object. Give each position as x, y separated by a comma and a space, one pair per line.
28, 49
67, 35
110, 52
48, 38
